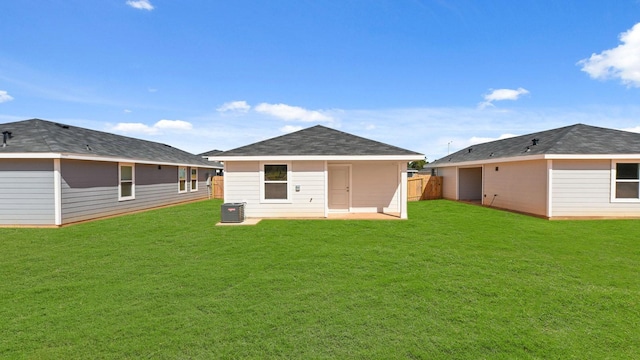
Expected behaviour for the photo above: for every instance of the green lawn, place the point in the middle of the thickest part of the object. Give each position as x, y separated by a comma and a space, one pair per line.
455, 281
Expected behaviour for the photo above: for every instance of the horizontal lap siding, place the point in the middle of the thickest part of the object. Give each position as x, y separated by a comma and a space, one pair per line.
154, 187
242, 184
309, 201
583, 188
27, 192
375, 186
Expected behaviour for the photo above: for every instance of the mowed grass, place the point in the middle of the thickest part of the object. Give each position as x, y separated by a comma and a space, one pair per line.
455, 281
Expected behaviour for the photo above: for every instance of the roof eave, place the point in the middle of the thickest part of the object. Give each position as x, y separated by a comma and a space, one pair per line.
28, 155
411, 157
538, 157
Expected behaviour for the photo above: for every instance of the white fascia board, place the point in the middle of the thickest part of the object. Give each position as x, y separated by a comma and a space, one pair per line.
97, 158
319, 158
592, 156
30, 156
540, 157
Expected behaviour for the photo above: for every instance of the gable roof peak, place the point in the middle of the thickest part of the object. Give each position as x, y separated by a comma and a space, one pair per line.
317, 140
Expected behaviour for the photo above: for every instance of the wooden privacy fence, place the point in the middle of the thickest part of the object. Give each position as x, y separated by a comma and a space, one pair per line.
420, 187
424, 187
217, 185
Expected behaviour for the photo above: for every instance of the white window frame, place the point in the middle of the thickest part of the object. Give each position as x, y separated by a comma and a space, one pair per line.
193, 181
132, 181
186, 180
263, 182
615, 181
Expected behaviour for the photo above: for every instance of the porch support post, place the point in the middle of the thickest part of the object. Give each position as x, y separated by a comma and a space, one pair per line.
402, 168
326, 189
57, 192
549, 188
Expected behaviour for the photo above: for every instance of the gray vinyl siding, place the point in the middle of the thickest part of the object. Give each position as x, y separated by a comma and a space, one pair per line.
90, 189
27, 192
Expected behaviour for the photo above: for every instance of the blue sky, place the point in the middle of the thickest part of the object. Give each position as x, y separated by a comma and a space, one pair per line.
428, 75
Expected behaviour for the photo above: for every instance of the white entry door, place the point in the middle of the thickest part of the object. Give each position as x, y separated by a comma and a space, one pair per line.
339, 176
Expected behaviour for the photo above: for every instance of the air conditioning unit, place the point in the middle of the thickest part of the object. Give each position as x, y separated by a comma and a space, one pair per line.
232, 213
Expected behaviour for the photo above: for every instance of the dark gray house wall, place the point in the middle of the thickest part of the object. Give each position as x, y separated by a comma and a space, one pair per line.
27, 192
90, 189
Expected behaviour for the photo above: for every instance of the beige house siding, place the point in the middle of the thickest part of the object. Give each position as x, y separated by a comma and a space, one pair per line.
582, 188
242, 184
375, 186
449, 182
519, 186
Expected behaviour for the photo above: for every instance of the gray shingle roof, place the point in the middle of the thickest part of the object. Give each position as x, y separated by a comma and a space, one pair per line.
578, 139
210, 153
41, 136
318, 140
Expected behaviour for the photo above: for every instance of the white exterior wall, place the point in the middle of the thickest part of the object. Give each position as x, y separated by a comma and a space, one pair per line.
582, 188
519, 186
242, 184
376, 187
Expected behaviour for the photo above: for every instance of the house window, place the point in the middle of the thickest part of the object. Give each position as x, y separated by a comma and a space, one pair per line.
275, 182
194, 179
182, 179
126, 184
627, 184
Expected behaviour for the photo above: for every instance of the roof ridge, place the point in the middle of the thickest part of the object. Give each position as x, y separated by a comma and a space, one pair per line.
564, 131
317, 140
42, 132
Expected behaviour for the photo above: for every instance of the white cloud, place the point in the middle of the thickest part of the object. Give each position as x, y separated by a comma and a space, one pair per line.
155, 129
621, 62
290, 128
152, 90
5, 97
127, 111
136, 128
293, 113
173, 125
140, 4
234, 107
635, 129
502, 94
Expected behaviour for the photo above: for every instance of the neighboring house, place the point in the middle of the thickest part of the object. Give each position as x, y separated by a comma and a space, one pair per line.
577, 171
53, 174
315, 171
206, 154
